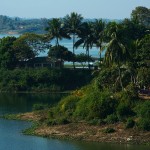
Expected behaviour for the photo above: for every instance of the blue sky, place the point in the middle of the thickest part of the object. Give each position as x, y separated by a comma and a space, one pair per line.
111, 9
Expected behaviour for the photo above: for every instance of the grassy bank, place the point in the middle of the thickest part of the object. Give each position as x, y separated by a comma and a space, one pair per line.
111, 133
100, 111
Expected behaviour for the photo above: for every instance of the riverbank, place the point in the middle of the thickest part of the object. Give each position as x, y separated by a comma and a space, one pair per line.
83, 131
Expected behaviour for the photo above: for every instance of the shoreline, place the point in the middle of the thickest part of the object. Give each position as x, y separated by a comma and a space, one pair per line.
35, 92
83, 131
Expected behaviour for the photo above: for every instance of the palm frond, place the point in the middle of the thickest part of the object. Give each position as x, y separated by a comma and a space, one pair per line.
78, 43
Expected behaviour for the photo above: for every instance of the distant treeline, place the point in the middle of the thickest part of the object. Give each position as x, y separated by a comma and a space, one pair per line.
19, 25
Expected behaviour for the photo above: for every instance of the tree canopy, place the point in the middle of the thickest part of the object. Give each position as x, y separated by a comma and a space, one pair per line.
60, 52
141, 15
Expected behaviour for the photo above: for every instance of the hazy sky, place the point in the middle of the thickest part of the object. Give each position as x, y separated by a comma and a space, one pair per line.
111, 9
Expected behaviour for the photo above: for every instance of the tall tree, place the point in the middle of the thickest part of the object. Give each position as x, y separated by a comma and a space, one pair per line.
143, 50
56, 31
22, 50
7, 56
72, 25
116, 53
60, 52
86, 38
38, 43
141, 15
98, 29
132, 31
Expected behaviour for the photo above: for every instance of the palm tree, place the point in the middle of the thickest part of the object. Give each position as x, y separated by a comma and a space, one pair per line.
86, 38
72, 25
116, 53
99, 28
56, 30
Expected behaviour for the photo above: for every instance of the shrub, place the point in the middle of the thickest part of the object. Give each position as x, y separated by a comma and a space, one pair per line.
51, 122
111, 119
144, 116
43, 79
132, 92
68, 104
130, 123
144, 124
96, 104
144, 110
123, 111
63, 121
109, 130
96, 122
58, 121
50, 114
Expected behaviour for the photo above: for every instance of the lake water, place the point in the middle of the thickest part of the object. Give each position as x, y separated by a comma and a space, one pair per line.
11, 137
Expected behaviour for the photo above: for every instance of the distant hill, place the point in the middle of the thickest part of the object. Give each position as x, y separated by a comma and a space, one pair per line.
105, 20
20, 25
15, 25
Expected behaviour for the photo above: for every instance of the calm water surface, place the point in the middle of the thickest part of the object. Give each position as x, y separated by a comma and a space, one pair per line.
11, 137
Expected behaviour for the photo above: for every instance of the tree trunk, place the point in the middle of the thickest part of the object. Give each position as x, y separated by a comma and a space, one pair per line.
120, 77
73, 51
57, 43
100, 55
88, 57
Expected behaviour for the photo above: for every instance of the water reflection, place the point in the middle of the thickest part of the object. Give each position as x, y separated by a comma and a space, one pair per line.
22, 102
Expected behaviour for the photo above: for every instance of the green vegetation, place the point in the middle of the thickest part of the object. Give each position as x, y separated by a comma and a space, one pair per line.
20, 25
97, 107
31, 130
130, 123
109, 130
15, 51
39, 106
10, 117
113, 95
61, 52
144, 116
43, 79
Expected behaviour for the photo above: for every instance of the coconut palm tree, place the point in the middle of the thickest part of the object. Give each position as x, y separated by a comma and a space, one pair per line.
72, 25
99, 28
56, 30
116, 53
86, 38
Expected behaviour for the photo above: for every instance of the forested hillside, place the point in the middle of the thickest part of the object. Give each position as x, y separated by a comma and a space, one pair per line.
19, 25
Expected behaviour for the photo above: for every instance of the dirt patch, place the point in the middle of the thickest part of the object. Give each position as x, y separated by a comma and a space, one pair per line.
84, 131
95, 133
144, 97
33, 116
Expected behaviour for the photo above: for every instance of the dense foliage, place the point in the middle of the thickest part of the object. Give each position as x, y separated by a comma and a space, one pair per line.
43, 79
61, 52
102, 106
113, 95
